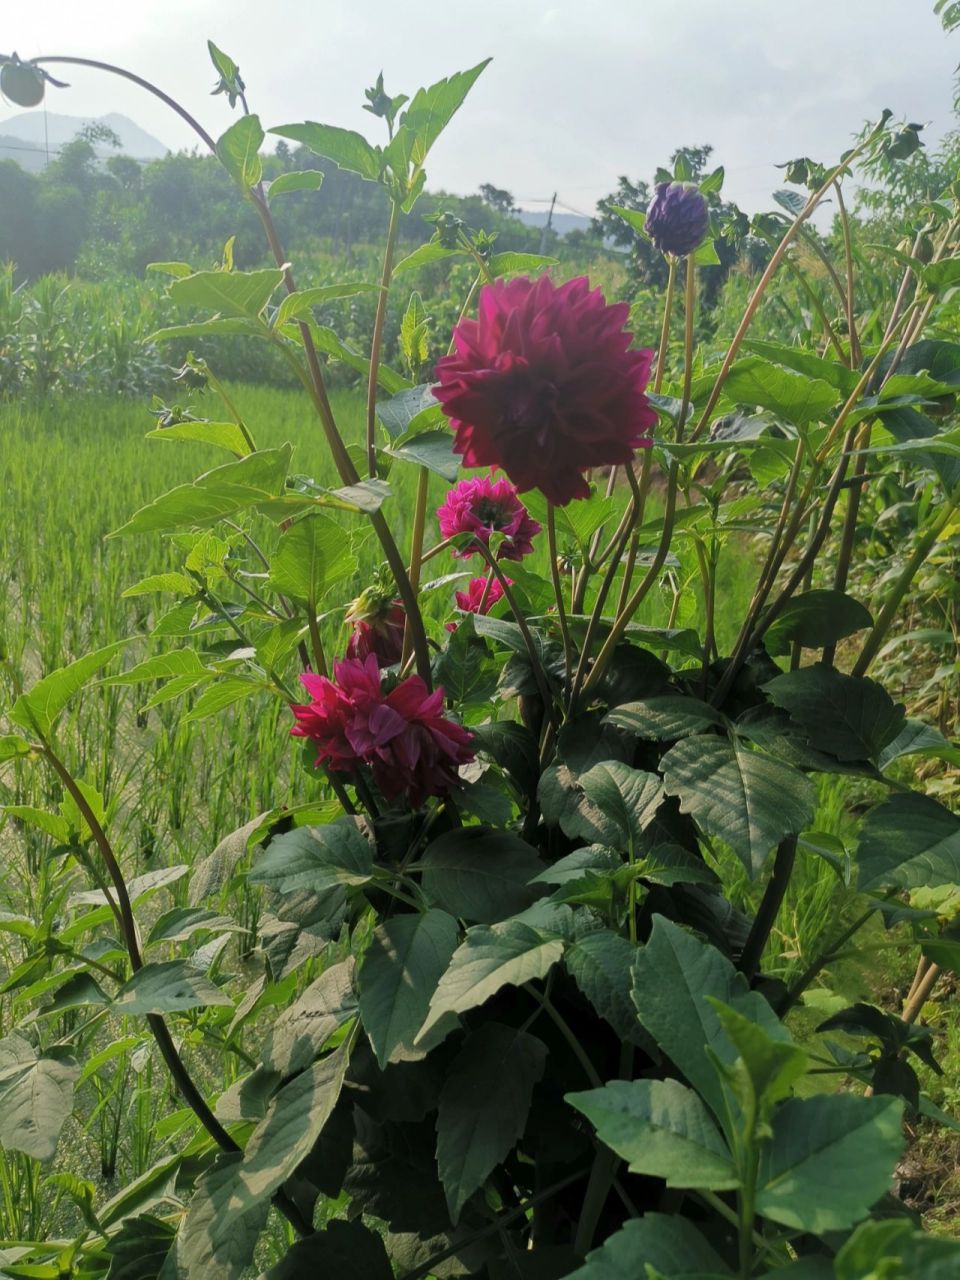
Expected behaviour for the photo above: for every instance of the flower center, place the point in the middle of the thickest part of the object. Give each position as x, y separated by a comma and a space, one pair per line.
491, 514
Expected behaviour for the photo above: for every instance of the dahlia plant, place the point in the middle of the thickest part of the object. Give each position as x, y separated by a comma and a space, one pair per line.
510, 1015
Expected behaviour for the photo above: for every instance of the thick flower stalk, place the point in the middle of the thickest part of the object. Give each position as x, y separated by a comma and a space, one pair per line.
484, 506
543, 385
678, 217
413, 749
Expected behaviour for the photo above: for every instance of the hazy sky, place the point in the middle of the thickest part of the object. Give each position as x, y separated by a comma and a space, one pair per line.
579, 91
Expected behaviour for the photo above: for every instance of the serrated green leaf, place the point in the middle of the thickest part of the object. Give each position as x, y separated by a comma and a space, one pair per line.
797, 397
316, 859
38, 708
656, 1243
405, 960
36, 1096
239, 151
223, 435
815, 619
236, 294
662, 1129
484, 1105
909, 841
167, 987
346, 148
302, 180
312, 557
851, 717
480, 874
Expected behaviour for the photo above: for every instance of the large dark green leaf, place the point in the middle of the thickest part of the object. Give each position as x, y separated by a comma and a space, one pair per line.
672, 977
214, 1242
797, 397
483, 1109
600, 963
346, 1250
906, 425
489, 958
670, 1245
304, 1027
140, 1248
830, 1160
479, 874
36, 1096
662, 1129
407, 957
665, 717
909, 841
629, 798
815, 619
748, 799
315, 858
168, 987
851, 717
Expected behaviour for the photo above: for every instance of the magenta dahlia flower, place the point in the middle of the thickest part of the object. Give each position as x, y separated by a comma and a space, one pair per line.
677, 218
413, 749
471, 600
483, 506
543, 385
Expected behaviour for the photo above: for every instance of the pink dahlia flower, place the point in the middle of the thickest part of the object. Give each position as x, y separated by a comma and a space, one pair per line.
484, 506
413, 749
472, 600
543, 385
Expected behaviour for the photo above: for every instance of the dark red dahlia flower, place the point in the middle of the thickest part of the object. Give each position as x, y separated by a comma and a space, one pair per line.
483, 506
543, 385
413, 749
677, 218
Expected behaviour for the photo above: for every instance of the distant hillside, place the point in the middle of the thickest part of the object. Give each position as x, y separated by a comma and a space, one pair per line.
563, 223
27, 137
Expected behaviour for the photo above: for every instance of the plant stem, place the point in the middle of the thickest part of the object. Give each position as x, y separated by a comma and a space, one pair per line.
416, 553
558, 592
565, 1030
377, 339
316, 643
901, 586
770, 905
826, 956
665, 327
855, 355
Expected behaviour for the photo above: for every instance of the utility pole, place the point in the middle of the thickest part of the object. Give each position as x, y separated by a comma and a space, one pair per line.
547, 225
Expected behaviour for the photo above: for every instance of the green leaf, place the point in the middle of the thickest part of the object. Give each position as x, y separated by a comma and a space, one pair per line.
311, 558
430, 449
183, 922
512, 263
304, 1027
940, 276
909, 841
222, 492
301, 302
431, 110
212, 1241
302, 180
295, 1119
347, 149
76, 992
407, 957
665, 717
805, 362
223, 435
815, 619
405, 410
747, 799
36, 1096
223, 694
489, 958
178, 662
765, 1070
171, 986
480, 874
230, 326
668, 1244
38, 709
12, 746
239, 151
600, 963
850, 717
315, 859
872, 1249
344, 1249
919, 739
636, 219
426, 254
628, 798
662, 1129
237, 294
672, 976
484, 1105
830, 1160
907, 426
140, 1248
791, 395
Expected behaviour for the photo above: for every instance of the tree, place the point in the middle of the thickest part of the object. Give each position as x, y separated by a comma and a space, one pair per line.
497, 198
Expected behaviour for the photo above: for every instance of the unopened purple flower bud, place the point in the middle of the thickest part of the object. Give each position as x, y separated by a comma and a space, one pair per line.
677, 218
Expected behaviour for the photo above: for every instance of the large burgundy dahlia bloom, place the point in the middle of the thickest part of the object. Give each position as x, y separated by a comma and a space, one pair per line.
484, 506
543, 385
413, 749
